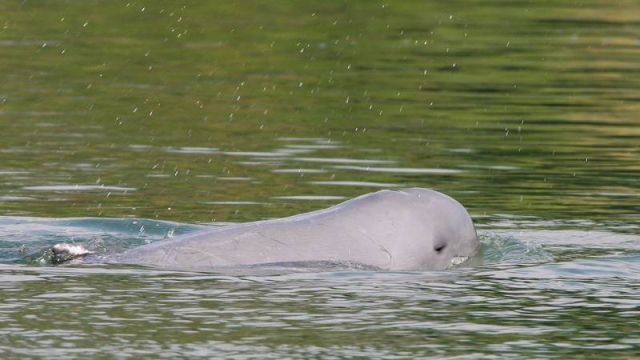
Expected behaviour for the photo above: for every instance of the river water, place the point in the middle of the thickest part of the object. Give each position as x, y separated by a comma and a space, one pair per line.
124, 123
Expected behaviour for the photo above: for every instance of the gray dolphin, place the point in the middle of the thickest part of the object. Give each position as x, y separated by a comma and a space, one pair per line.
413, 229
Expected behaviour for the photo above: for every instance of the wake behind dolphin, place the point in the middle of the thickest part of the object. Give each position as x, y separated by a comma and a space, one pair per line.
414, 229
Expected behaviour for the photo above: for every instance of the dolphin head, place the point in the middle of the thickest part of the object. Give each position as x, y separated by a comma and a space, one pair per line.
450, 237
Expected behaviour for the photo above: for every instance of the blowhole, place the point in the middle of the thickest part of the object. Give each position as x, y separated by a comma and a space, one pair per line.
439, 247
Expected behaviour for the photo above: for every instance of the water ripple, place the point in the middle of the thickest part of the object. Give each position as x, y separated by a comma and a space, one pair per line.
397, 170
78, 187
355, 183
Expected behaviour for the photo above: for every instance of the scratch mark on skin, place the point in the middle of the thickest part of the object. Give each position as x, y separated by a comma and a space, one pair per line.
388, 253
168, 252
381, 247
271, 238
288, 246
208, 257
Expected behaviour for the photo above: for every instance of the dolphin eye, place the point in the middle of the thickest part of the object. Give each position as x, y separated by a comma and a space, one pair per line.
439, 247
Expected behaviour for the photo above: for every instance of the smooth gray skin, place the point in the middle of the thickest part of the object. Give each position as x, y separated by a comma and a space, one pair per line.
414, 229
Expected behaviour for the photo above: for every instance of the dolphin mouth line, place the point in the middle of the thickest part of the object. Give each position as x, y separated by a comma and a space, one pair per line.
458, 261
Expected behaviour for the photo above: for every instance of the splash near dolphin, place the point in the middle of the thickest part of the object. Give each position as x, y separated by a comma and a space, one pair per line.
414, 229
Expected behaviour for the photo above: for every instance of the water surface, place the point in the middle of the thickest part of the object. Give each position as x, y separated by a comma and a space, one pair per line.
127, 122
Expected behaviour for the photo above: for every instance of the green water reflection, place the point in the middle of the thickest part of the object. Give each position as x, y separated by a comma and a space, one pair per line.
185, 315
196, 111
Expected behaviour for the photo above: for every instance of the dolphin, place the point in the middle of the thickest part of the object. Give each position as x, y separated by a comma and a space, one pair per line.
406, 230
